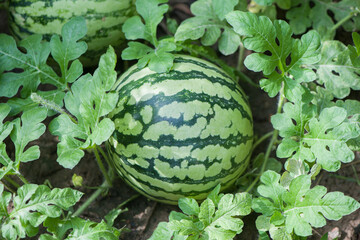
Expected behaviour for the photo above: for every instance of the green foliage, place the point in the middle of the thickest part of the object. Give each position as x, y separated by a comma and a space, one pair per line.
33, 62
298, 208
159, 59
78, 228
32, 205
210, 26
309, 137
261, 35
336, 69
302, 16
215, 218
21, 131
89, 101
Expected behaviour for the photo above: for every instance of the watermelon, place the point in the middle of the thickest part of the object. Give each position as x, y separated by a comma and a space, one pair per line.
104, 20
181, 133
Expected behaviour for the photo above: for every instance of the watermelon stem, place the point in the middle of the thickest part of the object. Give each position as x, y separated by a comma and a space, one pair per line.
263, 138
273, 139
101, 166
241, 54
103, 188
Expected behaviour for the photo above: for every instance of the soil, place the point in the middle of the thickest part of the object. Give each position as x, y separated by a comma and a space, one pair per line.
143, 215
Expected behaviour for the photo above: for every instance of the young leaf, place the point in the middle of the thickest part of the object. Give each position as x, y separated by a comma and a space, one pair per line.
90, 100
159, 59
33, 61
261, 36
302, 207
32, 205
208, 24
214, 220
23, 131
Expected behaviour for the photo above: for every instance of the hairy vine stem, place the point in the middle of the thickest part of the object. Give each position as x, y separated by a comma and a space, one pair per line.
101, 166
273, 139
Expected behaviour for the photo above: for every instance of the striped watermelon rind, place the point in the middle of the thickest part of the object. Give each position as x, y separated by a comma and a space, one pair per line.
180, 134
104, 20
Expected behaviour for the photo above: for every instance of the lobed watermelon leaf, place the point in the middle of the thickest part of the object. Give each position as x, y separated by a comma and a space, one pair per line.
159, 59
215, 218
273, 45
21, 131
32, 58
320, 15
32, 205
89, 101
299, 207
336, 70
322, 138
78, 228
210, 26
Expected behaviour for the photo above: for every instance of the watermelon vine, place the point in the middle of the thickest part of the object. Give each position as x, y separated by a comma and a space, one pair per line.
176, 126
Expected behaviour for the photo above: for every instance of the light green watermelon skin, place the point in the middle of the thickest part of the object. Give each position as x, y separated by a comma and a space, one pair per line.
104, 20
181, 133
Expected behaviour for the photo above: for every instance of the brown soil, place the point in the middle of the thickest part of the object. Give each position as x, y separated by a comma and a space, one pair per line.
143, 215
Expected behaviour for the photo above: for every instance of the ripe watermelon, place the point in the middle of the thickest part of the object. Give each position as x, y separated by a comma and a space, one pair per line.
104, 20
181, 133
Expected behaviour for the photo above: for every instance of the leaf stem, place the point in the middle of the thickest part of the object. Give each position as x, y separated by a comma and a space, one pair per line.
12, 182
104, 155
273, 139
263, 138
128, 200
22, 178
7, 187
104, 186
36, 98
345, 19
101, 166
241, 54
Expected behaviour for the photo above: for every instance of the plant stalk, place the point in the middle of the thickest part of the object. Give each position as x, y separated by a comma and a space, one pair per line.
101, 166
240, 63
22, 178
12, 182
342, 21
273, 139
263, 138
104, 186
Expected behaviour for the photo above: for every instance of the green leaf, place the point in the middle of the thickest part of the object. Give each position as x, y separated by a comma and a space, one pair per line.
208, 23
320, 14
302, 207
189, 206
21, 131
32, 205
77, 228
273, 44
207, 210
89, 101
69, 48
5, 128
309, 207
335, 69
224, 224
329, 147
162, 231
33, 61
159, 58
33, 64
